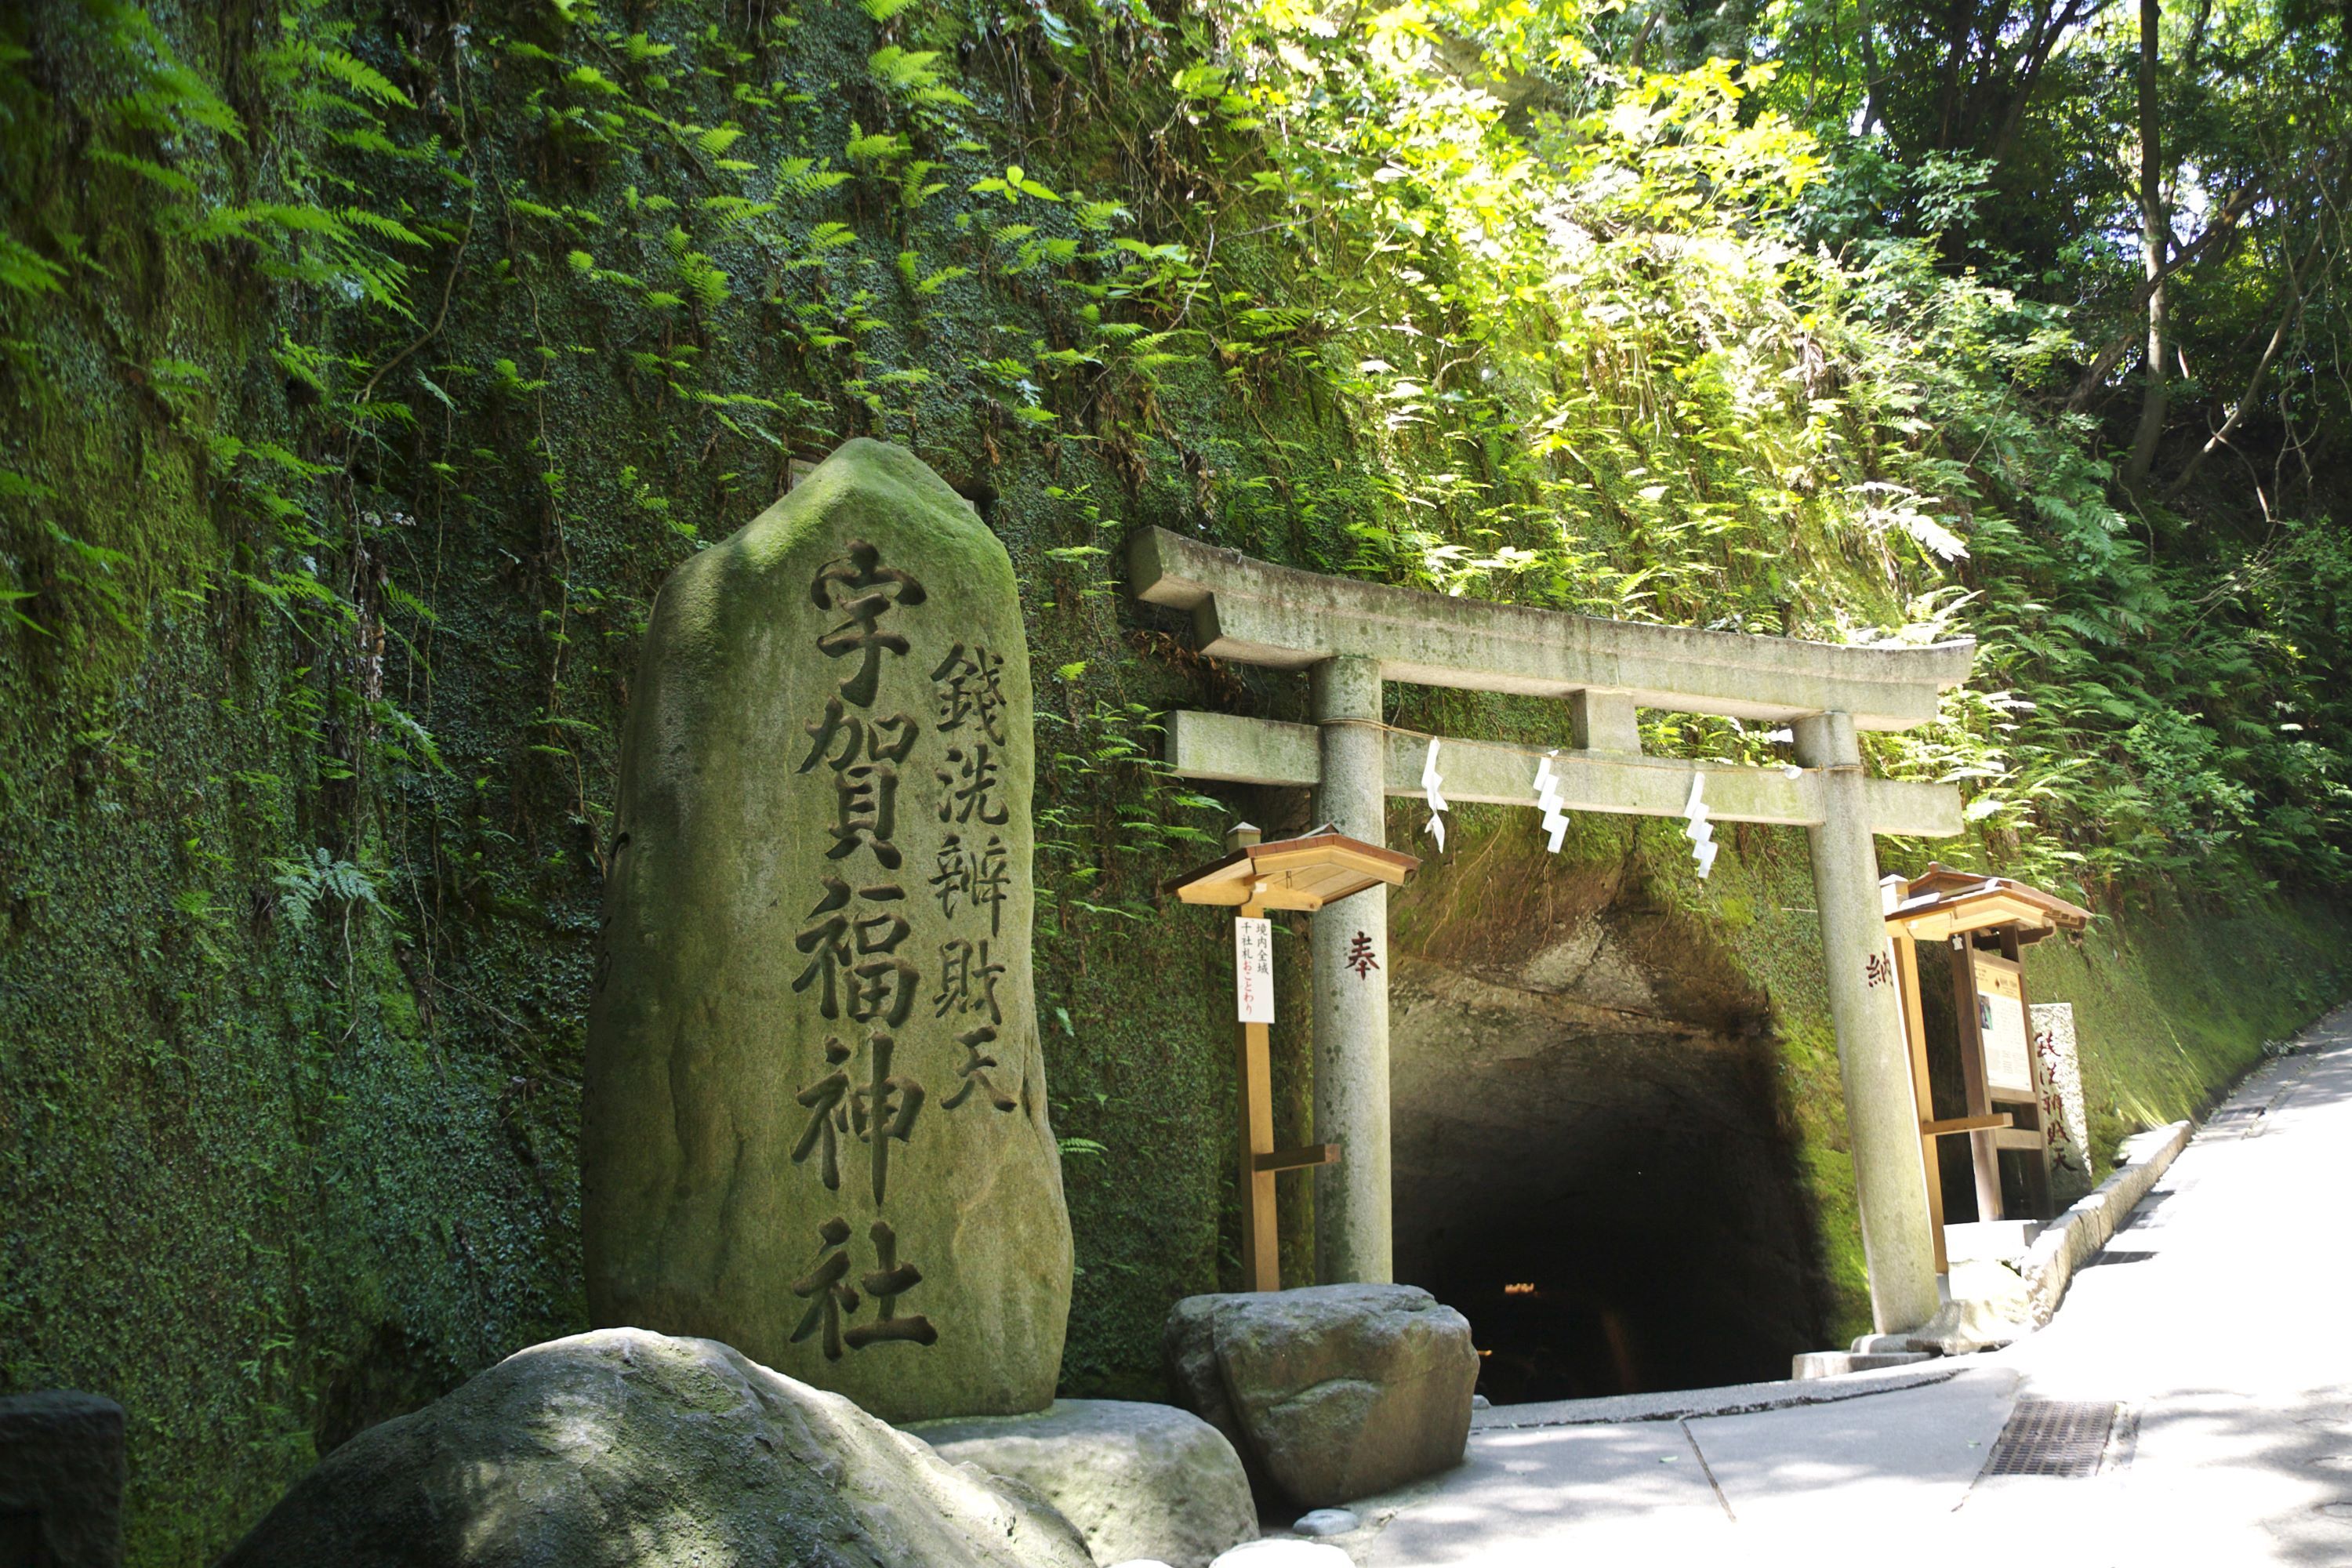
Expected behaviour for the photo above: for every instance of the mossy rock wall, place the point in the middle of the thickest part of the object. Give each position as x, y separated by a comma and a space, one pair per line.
322, 617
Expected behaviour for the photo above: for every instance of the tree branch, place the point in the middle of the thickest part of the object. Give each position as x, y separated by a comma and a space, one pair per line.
2155, 232
2225, 222
2297, 294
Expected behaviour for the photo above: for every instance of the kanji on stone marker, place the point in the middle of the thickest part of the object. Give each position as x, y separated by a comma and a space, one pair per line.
889, 1281
967, 980
967, 787
884, 1107
969, 687
976, 876
838, 939
974, 1072
824, 1100
1359, 956
825, 1283
872, 740
859, 586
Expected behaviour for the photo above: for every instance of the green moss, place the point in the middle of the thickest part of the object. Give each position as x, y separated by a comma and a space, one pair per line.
2175, 997
267, 1181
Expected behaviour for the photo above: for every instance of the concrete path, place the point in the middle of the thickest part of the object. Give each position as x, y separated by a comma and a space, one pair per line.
2217, 1320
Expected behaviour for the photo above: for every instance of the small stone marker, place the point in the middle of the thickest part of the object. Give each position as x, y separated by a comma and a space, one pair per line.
2063, 1117
815, 1119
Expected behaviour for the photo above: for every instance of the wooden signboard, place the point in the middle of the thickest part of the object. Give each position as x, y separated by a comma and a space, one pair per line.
1306, 873
1984, 923
2002, 1025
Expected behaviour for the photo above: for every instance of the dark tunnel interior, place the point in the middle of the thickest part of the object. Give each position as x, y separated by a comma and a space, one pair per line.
1589, 1163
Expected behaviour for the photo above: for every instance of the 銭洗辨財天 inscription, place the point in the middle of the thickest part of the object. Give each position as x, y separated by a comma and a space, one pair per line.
815, 1021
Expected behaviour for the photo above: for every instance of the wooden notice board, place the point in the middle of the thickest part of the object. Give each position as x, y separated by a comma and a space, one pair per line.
2002, 1025
1984, 923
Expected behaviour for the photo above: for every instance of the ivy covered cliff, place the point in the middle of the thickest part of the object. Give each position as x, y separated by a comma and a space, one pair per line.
367, 366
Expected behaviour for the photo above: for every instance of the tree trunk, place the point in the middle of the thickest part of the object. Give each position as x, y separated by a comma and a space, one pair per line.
2155, 232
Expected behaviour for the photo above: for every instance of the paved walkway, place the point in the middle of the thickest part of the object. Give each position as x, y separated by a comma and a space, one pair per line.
2218, 1321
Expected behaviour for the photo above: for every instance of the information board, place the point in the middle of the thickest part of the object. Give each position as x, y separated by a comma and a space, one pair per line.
2000, 1024
1254, 969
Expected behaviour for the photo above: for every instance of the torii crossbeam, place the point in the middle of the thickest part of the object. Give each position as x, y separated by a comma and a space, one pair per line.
1350, 637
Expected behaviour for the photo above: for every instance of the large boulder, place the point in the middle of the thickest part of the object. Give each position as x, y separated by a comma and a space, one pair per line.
61, 1473
1329, 1393
625, 1447
1138, 1480
815, 1118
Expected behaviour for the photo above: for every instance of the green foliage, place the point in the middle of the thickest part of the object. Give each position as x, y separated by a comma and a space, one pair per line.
366, 375
321, 879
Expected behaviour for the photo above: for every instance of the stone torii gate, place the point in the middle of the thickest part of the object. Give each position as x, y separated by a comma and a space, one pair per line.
1350, 637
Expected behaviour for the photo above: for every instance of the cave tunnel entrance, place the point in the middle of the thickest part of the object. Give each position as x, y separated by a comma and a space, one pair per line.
1589, 1163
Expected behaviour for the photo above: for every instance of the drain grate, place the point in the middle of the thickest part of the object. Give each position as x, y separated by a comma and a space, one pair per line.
2053, 1438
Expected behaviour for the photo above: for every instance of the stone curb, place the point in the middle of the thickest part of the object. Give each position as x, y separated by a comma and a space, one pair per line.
2076, 1235
1738, 1399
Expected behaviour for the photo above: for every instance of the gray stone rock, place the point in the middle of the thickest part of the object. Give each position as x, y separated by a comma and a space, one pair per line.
61, 1474
1138, 1481
1284, 1554
1329, 1393
815, 1114
1324, 1521
624, 1447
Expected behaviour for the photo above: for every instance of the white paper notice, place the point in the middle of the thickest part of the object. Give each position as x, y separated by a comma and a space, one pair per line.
1254, 969
2001, 1024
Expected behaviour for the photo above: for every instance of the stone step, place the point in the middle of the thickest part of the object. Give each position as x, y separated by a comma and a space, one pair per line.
1834, 1364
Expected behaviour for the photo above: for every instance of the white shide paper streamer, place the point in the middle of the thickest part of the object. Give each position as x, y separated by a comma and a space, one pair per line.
1699, 830
1548, 796
1430, 780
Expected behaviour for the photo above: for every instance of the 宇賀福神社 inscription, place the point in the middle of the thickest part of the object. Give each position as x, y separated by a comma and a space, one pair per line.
815, 1112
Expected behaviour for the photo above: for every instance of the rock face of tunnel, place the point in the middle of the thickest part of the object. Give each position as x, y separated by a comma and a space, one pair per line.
1589, 1160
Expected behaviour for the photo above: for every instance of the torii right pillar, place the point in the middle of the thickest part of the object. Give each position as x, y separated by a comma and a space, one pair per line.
1874, 1057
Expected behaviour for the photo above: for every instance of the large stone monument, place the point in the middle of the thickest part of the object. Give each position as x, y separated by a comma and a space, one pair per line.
815, 1122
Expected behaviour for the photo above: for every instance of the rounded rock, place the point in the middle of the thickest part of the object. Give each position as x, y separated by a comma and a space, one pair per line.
627, 1449
1284, 1554
1142, 1482
1326, 1521
1329, 1392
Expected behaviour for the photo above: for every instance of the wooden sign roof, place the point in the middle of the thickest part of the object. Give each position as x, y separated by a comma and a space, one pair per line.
1304, 873
1945, 903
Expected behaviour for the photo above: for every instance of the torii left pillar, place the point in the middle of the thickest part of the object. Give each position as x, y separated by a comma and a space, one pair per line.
1350, 952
